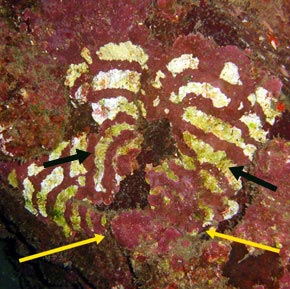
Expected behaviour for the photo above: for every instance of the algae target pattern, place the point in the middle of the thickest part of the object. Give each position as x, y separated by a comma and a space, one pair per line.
213, 127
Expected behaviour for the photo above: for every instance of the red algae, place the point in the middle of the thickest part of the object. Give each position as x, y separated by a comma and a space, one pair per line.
271, 224
33, 105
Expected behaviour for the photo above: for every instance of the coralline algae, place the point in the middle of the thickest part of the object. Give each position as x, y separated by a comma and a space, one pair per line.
219, 115
209, 136
33, 104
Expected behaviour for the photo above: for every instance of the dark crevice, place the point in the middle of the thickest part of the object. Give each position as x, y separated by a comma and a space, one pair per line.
36, 273
244, 270
13, 229
132, 194
158, 143
84, 123
135, 282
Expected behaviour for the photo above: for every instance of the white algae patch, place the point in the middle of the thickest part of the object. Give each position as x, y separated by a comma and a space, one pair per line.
230, 74
179, 64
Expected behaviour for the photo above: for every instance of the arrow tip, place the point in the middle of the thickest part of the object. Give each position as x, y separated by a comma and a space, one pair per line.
99, 238
82, 155
237, 171
211, 233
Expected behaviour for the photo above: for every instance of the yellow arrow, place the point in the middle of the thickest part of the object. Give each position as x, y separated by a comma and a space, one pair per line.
213, 233
97, 238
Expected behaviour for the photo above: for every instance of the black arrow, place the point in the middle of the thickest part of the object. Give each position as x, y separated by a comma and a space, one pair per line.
80, 155
238, 172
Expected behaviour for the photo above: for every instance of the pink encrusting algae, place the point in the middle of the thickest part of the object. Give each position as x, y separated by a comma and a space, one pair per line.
219, 116
194, 96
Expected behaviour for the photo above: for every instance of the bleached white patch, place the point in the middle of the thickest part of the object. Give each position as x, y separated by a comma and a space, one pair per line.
231, 210
230, 74
241, 106
119, 79
253, 122
79, 96
181, 63
119, 178
206, 90
34, 170
252, 99
108, 108
267, 102
119, 286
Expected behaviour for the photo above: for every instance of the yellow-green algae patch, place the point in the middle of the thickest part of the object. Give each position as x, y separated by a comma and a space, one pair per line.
218, 127
82, 181
266, 102
166, 200
86, 54
27, 195
75, 217
210, 182
74, 72
89, 220
59, 208
209, 215
124, 51
50, 182
164, 167
103, 220
206, 154
12, 179
185, 161
56, 153
156, 82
